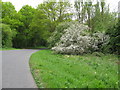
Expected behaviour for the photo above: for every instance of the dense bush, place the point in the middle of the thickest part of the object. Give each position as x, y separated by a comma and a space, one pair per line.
55, 37
114, 44
78, 40
7, 35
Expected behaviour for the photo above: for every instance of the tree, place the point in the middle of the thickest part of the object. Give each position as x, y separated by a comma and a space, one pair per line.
11, 22
10, 16
39, 29
102, 7
8, 9
50, 10
63, 10
102, 19
88, 6
56, 12
7, 35
26, 15
79, 6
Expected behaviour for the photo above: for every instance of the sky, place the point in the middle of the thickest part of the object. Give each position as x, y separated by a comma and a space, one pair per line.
19, 3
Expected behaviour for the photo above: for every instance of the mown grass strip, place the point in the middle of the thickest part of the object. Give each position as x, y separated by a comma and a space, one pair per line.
2, 49
67, 71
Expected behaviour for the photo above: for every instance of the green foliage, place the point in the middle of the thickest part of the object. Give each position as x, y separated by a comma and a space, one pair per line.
0, 9
59, 30
56, 11
8, 9
114, 44
67, 71
35, 26
7, 35
39, 28
102, 23
63, 8
25, 15
96, 16
47, 16
14, 23
49, 9
80, 9
10, 16
2, 49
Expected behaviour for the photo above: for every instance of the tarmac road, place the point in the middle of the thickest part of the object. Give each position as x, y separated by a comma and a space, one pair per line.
15, 69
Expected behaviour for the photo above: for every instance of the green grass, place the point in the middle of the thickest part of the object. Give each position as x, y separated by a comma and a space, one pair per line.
2, 49
36, 47
67, 71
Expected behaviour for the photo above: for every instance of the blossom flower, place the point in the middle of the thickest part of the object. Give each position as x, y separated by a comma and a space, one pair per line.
76, 39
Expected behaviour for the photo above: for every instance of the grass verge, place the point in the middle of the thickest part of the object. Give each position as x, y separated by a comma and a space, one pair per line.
40, 47
2, 49
67, 71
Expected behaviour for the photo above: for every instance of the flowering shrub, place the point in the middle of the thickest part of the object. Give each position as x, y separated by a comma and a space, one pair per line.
76, 39
55, 37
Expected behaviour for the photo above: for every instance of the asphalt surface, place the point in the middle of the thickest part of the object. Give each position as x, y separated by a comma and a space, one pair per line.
15, 69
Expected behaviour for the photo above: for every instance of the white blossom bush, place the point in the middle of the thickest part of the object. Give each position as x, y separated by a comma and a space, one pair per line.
59, 31
76, 39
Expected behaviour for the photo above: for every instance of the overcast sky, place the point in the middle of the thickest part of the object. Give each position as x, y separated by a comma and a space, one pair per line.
19, 3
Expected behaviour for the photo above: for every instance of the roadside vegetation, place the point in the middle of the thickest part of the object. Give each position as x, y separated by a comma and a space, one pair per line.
95, 70
32, 27
83, 38
8, 49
